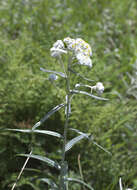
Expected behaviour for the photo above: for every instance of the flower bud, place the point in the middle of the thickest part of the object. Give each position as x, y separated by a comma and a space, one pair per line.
99, 87
53, 77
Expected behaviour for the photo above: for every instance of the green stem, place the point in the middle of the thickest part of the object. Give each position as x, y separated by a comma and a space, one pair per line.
63, 185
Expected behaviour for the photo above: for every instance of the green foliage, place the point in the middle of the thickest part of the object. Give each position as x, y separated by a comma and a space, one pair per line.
27, 31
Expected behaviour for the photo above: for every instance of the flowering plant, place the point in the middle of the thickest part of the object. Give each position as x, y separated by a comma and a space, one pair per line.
78, 52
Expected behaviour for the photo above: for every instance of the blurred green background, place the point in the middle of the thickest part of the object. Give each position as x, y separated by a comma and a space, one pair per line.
28, 28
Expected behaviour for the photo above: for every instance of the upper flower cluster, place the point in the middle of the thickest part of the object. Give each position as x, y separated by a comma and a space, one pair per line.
81, 50
57, 49
78, 46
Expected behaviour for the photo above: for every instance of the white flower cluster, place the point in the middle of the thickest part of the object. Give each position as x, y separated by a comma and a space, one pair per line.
57, 49
81, 50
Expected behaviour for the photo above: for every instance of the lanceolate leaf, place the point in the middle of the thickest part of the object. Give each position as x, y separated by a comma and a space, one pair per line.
73, 141
55, 72
55, 109
26, 182
44, 159
49, 182
90, 138
46, 132
78, 74
81, 133
33, 170
88, 94
102, 148
79, 181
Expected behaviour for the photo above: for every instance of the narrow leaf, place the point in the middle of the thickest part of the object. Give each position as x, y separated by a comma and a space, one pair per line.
33, 170
49, 182
78, 74
81, 133
73, 141
52, 133
102, 148
55, 109
88, 94
55, 72
46, 132
91, 139
120, 184
44, 159
31, 184
79, 181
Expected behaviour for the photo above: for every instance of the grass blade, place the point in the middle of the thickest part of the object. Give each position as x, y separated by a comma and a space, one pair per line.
79, 181
102, 148
49, 182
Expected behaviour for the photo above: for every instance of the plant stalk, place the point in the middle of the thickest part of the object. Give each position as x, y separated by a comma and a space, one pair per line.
63, 184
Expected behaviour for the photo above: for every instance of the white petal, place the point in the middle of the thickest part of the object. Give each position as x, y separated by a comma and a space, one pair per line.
84, 60
99, 87
58, 44
77, 85
55, 52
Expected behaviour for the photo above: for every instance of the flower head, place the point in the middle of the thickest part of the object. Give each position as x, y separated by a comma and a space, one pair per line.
59, 44
78, 46
84, 60
57, 49
69, 42
99, 87
81, 50
82, 47
77, 85
56, 52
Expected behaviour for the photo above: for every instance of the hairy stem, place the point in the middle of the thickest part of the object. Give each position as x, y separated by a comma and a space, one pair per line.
63, 184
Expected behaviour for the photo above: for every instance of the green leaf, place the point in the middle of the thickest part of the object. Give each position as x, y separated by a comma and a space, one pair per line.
32, 185
49, 182
91, 139
78, 74
25, 182
79, 181
55, 72
88, 94
33, 170
81, 133
46, 132
102, 148
55, 109
71, 143
44, 159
